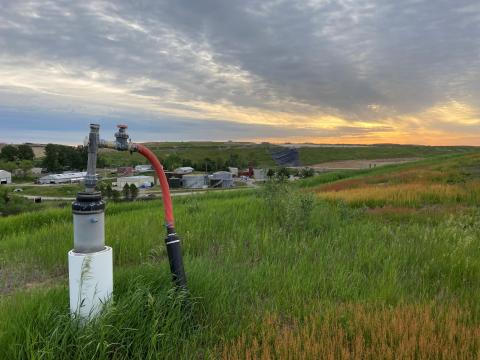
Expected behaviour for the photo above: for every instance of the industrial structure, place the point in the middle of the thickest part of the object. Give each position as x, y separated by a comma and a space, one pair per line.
197, 181
143, 168
65, 178
221, 179
125, 171
183, 170
90, 262
233, 170
5, 177
260, 174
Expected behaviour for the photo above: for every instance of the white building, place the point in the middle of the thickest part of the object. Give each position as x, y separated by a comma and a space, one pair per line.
260, 174
5, 177
183, 170
233, 170
141, 182
65, 178
36, 171
143, 168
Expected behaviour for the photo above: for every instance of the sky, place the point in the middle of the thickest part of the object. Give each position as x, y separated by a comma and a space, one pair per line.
346, 71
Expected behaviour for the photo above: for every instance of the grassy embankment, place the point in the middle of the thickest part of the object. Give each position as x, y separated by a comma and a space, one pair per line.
259, 154
454, 181
277, 273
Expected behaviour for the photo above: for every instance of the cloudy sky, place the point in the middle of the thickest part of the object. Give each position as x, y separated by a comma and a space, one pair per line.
346, 71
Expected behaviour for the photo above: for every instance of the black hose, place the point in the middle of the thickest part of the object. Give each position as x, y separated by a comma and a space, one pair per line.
174, 252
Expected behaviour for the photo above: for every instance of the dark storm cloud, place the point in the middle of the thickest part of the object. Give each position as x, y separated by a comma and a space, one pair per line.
310, 57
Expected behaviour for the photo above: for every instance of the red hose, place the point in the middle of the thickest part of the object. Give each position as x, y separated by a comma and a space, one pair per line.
167, 201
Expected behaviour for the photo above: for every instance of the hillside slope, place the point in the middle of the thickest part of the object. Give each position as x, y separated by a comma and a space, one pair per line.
279, 272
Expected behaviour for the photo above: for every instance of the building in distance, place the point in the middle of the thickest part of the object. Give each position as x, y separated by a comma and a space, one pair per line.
65, 178
5, 177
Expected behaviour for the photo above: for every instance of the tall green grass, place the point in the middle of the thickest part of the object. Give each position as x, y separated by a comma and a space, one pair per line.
247, 255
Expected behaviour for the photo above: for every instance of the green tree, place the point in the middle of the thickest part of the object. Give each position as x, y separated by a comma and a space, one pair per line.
172, 162
307, 172
187, 162
270, 173
25, 152
101, 187
5, 196
25, 166
108, 190
220, 164
8, 165
282, 174
51, 161
115, 195
126, 192
133, 191
208, 165
233, 161
9, 153
60, 157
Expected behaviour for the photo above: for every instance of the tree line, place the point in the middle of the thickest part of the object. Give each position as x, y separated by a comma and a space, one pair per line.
173, 161
17, 153
62, 157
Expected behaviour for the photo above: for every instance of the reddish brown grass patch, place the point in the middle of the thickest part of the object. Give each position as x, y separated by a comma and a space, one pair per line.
354, 332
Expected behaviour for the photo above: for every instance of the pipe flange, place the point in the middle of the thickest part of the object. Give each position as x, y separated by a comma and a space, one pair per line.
88, 203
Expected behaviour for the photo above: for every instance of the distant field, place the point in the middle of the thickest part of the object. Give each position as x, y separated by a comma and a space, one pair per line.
259, 154
196, 152
49, 190
455, 181
348, 264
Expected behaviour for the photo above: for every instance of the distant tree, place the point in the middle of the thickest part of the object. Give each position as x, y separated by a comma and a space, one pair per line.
25, 166
126, 191
282, 174
233, 161
270, 173
5, 195
25, 152
187, 162
8, 165
12, 204
9, 153
101, 187
115, 195
108, 190
61, 157
208, 165
307, 172
220, 164
51, 157
133, 191
172, 162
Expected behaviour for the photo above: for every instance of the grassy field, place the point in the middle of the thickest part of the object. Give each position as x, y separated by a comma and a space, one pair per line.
197, 152
342, 265
453, 181
67, 190
259, 154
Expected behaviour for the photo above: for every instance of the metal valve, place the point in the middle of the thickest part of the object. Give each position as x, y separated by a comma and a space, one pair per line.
121, 137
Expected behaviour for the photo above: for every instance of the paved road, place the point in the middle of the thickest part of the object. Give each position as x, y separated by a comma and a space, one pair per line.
47, 198
158, 194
